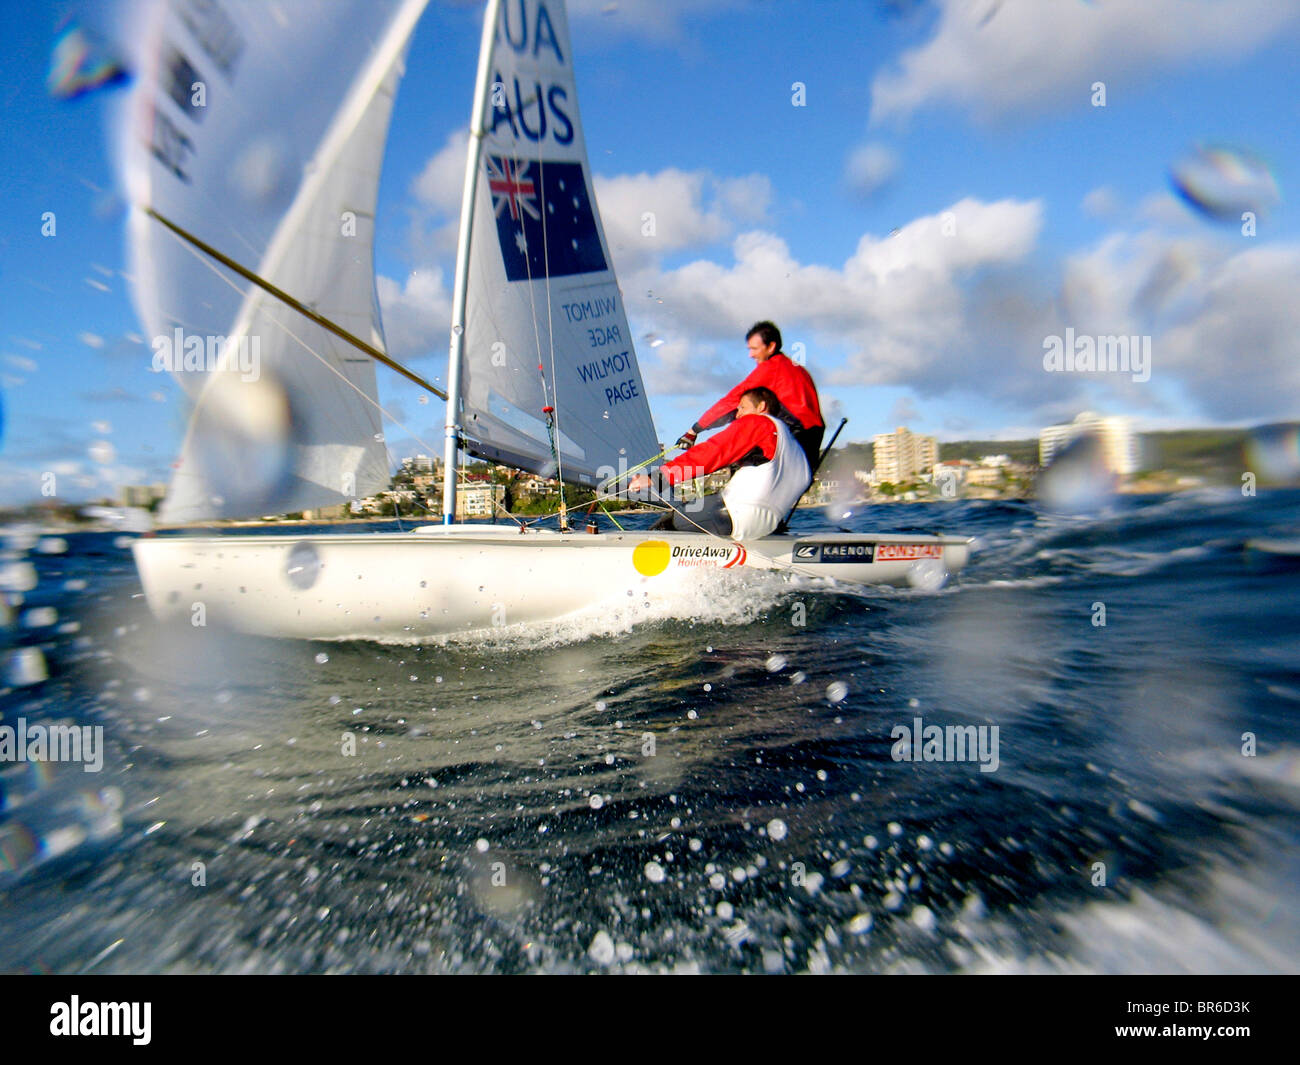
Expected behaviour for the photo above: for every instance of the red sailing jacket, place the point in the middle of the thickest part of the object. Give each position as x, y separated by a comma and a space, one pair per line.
792, 384
729, 446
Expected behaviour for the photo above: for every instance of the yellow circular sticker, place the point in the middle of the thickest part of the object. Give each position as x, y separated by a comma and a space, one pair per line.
650, 557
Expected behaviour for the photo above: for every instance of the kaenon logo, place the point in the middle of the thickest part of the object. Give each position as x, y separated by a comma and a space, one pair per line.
847, 552
837, 552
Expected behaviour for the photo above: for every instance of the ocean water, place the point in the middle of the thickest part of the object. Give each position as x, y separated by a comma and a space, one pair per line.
715, 788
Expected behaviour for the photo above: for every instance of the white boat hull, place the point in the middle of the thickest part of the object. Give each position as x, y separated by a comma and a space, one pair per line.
441, 580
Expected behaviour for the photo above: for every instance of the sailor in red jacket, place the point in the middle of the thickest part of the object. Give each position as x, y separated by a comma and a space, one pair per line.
772, 477
793, 385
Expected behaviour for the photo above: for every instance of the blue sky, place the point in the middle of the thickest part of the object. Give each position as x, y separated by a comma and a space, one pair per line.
946, 197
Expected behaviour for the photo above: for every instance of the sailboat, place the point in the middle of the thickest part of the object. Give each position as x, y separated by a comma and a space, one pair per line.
252, 154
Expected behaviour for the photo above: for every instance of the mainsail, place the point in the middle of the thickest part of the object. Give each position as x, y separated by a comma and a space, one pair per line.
546, 333
259, 129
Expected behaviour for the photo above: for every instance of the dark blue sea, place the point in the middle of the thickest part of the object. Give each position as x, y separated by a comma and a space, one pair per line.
720, 788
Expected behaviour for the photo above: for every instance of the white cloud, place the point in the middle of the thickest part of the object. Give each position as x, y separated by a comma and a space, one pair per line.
965, 309
685, 367
1166, 209
649, 215
1034, 54
442, 181
437, 191
417, 315
904, 412
897, 305
1101, 202
869, 168
1223, 321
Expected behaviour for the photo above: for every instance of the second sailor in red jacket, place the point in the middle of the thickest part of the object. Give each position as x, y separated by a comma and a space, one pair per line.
792, 384
773, 474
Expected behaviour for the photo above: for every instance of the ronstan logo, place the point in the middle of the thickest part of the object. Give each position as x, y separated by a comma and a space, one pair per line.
906, 552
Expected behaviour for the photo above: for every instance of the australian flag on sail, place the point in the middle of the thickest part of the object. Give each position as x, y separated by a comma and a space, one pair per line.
527, 191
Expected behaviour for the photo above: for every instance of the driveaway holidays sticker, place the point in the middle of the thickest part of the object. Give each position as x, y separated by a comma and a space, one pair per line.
652, 557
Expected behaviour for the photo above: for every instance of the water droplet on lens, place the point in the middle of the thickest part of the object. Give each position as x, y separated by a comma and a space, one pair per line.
1222, 183
303, 565
837, 692
242, 437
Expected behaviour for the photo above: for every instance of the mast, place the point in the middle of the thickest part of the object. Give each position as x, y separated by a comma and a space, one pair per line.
459, 292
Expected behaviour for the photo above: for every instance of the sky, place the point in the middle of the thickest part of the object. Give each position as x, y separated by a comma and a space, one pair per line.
919, 192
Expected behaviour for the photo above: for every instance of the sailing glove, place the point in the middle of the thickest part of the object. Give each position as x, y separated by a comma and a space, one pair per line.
687, 439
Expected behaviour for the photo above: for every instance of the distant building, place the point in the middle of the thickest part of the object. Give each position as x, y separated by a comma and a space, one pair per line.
950, 475
140, 495
823, 492
903, 456
418, 471
985, 476
330, 513
413, 464
480, 500
1118, 441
